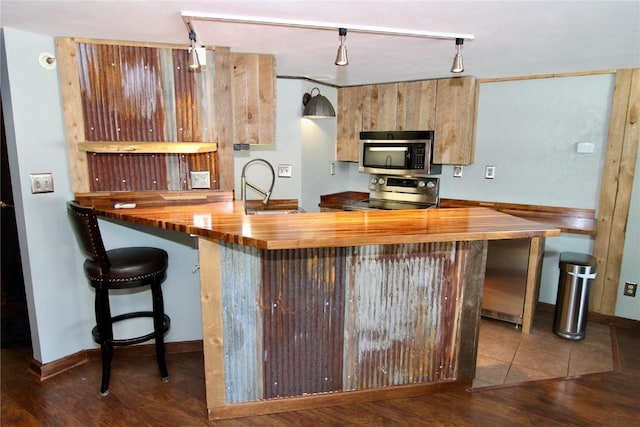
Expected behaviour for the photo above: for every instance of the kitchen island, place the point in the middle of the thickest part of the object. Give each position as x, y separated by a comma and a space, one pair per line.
318, 309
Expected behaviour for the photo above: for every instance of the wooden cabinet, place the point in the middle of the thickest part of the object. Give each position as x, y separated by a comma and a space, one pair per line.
455, 121
446, 106
349, 123
379, 104
416, 106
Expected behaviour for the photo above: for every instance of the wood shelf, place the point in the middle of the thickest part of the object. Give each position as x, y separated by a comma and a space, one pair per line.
107, 199
148, 147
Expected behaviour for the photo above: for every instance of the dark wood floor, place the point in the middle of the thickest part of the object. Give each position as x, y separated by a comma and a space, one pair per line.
139, 398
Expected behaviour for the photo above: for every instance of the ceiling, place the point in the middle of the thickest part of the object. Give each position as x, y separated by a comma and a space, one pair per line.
511, 38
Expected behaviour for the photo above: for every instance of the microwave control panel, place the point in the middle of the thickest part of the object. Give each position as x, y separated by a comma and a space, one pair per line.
418, 151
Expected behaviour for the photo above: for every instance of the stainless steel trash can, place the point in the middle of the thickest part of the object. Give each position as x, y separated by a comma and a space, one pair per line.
572, 304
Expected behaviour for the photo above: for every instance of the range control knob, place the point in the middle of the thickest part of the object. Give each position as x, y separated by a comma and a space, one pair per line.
430, 184
421, 184
381, 181
374, 180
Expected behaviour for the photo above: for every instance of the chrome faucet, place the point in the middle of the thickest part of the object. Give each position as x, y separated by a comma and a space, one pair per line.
244, 183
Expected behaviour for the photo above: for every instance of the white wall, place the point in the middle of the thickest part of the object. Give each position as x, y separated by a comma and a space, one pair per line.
528, 130
286, 151
181, 289
59, 305
319, 152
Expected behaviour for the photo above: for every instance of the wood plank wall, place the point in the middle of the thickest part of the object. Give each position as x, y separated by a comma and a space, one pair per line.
224, 116
615, 190
72, 109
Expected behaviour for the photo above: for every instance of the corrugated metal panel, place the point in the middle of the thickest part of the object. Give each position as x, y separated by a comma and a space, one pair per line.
122, 94
185, 98
165, 58
303, 302
308, 321
124, 90
400, 298
242, 323
127, 172
175, 179
147, 172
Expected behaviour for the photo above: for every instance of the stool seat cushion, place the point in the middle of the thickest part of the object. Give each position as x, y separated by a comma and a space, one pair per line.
127, 266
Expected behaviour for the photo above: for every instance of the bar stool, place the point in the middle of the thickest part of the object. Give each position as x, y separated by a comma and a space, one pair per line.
123, 268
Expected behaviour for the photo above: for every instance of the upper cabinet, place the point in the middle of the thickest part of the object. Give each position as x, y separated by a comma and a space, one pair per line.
455, 121
379, 104
416, 108
253, 94
446, 106
349, 122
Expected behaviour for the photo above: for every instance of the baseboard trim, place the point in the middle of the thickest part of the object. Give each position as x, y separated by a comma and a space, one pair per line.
618, 322
48, 370
51, 369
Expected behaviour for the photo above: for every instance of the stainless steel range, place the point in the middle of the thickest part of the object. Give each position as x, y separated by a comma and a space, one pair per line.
388, 192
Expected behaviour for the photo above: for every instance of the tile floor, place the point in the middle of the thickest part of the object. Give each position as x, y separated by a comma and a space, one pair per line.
506, 356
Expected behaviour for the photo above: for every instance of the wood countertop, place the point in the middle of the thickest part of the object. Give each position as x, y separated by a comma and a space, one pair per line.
568, 220
226, 221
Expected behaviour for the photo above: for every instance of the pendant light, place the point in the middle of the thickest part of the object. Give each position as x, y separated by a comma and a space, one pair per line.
458, 65
341, 57
316, 107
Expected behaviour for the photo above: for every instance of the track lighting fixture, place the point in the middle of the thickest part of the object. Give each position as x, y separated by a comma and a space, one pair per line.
197, 54
341, 57
317, 106
458, 65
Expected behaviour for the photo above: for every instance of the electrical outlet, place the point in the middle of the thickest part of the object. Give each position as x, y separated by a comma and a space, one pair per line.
332, 169
489, 172
200, 179
41, 183
630, 289
457, 171
284, 171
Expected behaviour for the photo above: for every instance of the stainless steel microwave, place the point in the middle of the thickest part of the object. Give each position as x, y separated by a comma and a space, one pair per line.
407, 153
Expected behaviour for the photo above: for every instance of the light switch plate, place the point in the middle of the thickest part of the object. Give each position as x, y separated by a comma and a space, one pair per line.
41, 183
457, 171
489, 172
585, 147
